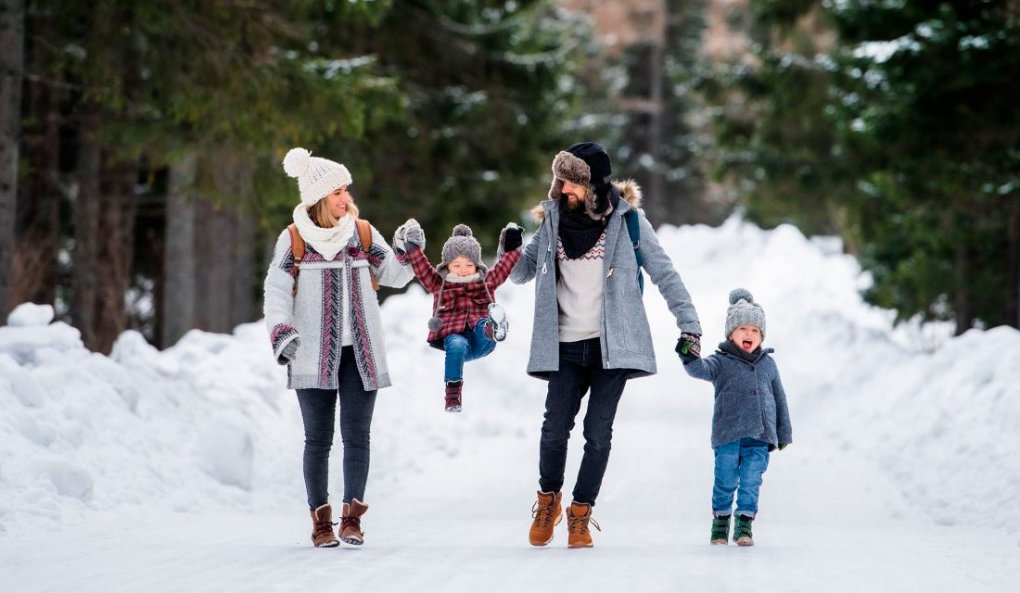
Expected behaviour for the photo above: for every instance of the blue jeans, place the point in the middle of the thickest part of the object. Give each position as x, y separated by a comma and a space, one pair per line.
318, 412
738, 468
465, 346
580, 370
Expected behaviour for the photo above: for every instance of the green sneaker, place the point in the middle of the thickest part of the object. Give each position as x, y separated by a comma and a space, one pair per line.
742, 531
720, 530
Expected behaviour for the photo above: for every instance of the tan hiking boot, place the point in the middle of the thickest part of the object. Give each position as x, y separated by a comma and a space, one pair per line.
578, 517
350, 523
322, 527
547, 514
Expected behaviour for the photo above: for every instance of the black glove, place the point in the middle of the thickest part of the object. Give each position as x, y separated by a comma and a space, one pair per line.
783, 446
688, 346
512, 237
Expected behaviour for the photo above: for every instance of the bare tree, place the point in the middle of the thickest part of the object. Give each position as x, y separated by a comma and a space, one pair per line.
12, 57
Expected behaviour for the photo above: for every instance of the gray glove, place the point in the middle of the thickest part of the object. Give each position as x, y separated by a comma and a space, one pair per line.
399, 246
289, 352
414, 236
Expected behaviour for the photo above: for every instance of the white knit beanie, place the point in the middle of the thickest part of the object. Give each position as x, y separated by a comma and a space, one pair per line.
317, 177
744, 311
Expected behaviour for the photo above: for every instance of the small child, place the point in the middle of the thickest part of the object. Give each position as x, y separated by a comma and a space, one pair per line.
466, 321
750, 418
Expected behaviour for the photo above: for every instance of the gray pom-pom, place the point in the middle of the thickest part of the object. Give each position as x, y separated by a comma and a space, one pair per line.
462, 230
435, 324
740, 293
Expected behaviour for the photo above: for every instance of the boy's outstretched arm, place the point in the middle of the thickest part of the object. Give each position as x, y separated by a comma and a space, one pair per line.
697, 367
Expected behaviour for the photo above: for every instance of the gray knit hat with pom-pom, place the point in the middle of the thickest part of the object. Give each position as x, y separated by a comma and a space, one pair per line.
462, 243
744, 311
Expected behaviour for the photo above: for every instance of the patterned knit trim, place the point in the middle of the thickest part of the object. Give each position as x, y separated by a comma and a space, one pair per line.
597, 252
281, 333
330, 320
362, 337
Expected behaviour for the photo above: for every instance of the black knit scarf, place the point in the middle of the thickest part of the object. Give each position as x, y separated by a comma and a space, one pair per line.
728, 346
578, 231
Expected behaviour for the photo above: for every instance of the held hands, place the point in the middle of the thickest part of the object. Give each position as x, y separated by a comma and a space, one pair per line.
414, 236
688, 346
511, 237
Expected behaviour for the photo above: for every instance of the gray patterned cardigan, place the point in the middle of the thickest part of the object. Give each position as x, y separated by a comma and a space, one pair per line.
316, 314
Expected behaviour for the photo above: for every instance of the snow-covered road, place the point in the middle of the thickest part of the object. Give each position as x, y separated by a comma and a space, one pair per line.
180, 471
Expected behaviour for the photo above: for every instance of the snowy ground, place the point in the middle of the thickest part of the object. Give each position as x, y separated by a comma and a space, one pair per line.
180, 470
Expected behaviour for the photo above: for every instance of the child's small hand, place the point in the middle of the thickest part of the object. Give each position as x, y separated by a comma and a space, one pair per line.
689, 345
414, 236
511, 237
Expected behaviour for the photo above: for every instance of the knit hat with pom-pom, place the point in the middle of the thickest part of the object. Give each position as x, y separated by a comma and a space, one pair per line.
317, 177
461, 243
744, 311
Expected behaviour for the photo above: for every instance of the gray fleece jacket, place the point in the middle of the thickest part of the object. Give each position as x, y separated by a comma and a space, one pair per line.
749, 396
625, 337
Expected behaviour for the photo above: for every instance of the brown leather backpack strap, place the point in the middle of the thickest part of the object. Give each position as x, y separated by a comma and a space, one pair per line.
365, 235
297, 248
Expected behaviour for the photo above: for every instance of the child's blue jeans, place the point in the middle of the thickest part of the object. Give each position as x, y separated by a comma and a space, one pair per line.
738, 468
465, 346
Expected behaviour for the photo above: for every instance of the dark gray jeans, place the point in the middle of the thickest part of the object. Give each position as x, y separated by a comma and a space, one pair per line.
580, 370
318, 411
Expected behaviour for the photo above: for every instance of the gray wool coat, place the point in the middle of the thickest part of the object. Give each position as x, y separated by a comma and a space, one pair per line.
625, 337
749, 397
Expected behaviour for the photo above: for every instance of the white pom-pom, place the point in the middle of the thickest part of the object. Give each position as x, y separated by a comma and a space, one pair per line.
462, 230
296, 162
740, 293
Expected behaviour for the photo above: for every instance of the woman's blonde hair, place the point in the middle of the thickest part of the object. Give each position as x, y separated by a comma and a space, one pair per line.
320, 214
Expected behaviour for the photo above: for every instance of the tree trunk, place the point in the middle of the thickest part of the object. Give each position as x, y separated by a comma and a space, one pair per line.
214, 234
1013, 306
244, 251
180, 263
12, 38
118, 207
39, 196
961, 304
86, 227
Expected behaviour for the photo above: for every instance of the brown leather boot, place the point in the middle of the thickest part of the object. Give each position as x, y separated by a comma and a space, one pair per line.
322, 527
547, 514
578, 517
350, 523
454, 391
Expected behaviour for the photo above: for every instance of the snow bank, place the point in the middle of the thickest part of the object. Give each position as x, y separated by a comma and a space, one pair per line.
208, 423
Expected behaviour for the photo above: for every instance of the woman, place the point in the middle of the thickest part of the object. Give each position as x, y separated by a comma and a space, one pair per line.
324, 324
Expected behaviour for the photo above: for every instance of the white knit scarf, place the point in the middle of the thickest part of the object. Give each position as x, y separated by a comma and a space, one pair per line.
329, 241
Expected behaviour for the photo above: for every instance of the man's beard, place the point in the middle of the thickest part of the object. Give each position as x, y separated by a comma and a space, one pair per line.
572, 202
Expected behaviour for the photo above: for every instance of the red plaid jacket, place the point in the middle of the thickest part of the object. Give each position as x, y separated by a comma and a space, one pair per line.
460, 305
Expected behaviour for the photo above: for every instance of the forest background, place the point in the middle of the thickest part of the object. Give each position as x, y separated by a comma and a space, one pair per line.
140, 142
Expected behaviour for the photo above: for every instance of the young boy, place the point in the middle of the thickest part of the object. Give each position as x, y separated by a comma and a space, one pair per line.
466, 321
750, 418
